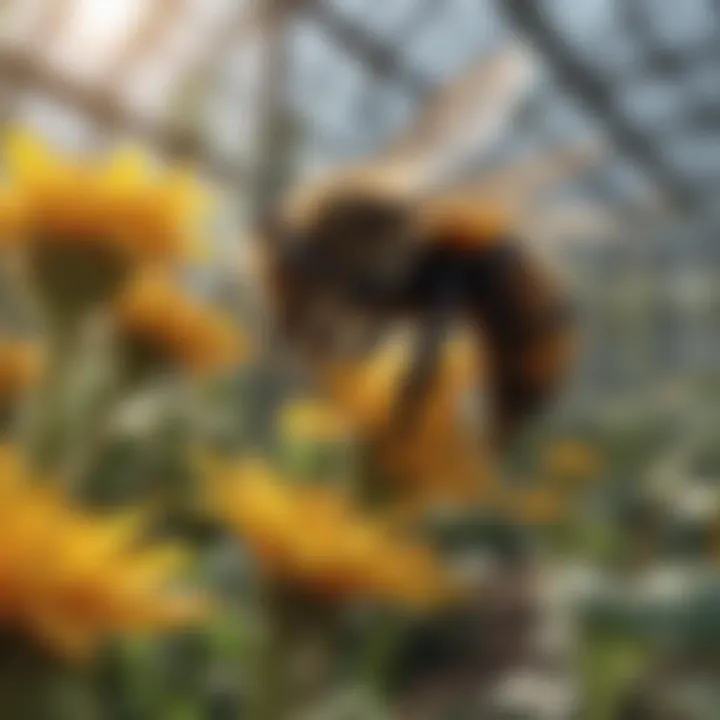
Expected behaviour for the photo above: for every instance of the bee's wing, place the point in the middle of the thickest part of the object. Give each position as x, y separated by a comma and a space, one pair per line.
553, 228
556, 227
464, 118
516, 185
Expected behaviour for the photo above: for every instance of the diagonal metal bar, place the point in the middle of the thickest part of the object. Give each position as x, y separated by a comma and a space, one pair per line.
154, 23
596, 94
371, 112
379, 56
26, 71
52, 19
197, 75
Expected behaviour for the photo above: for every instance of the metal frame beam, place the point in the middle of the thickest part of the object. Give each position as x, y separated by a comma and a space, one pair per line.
380, 57
596, 94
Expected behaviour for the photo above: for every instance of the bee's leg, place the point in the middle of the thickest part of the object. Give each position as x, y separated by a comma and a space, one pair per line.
418, 381
424, 365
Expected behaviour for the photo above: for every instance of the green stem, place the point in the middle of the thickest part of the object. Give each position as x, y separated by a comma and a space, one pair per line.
33, 687
269, 686
114, 376
90, 438
46, 427
381, 644
295, 659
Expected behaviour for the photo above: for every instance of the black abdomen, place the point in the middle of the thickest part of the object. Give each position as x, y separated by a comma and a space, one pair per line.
526, 322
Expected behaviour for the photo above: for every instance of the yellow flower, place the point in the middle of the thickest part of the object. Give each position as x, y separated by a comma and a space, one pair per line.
312, 420
84, 225
571, 460
70, 580
20, 366
162, 328
313, 539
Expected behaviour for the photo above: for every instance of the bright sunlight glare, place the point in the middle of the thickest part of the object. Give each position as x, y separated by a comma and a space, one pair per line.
96, 31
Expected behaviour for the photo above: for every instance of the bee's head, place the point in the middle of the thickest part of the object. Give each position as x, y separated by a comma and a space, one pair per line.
359, 224
329, 249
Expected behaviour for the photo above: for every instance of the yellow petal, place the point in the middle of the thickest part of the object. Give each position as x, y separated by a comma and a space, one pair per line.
153, 568
127, 168
185, 194
27, 158
99, 542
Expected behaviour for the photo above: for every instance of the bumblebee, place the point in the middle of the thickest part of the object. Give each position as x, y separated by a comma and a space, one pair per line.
371, 247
